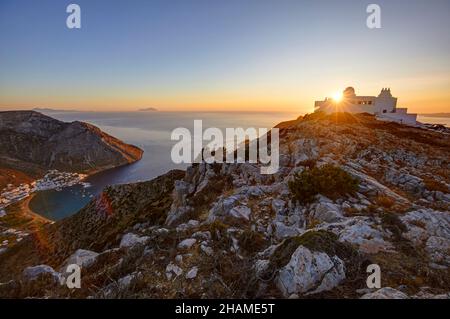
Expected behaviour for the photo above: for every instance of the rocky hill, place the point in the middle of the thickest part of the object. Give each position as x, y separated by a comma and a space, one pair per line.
351, 191
33, 143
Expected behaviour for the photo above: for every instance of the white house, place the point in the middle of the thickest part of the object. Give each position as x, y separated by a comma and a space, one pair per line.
384, 106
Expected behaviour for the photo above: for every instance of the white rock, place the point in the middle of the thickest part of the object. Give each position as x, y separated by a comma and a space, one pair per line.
279, 206
187, 243
251, 191
261, 266
310, 272
385, 293
36, 272
187, 226
207, 250
124, 282
130, 240
193, 223
327, 212
191, 274
282, 231
427, 295
179, 259
231, 206
202, 235
82, 258
179, 208
241, 212
434, 234
173, 269
361, 232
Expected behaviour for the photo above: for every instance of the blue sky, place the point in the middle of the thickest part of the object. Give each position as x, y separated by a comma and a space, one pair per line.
198, 54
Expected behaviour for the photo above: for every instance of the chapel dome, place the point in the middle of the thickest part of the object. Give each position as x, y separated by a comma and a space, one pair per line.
349, 91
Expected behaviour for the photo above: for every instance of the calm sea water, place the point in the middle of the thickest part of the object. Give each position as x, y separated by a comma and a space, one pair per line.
151, 132
434, 120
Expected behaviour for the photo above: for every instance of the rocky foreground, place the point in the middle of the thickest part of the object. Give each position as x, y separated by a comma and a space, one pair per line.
380, 195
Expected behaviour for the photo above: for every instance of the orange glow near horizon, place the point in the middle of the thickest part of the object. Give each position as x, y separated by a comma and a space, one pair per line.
419, 97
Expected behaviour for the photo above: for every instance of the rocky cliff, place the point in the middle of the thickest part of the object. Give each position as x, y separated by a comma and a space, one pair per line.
32, 143
351, 191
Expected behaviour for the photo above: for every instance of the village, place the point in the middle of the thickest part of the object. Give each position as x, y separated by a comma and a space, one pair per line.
52, 180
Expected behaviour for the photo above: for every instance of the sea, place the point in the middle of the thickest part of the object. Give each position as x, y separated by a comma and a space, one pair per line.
151, 131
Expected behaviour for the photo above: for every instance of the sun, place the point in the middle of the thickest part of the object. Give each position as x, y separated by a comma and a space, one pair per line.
337, 96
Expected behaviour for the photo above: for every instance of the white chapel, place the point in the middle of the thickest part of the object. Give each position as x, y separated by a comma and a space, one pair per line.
384, 106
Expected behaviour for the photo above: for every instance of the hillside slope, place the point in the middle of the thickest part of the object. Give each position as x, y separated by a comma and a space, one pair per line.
33, 143
379, 195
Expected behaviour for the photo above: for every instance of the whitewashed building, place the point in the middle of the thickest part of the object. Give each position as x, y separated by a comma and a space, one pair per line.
384, 106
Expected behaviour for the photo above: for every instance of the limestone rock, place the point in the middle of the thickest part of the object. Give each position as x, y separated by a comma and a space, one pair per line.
310, 272
230, 207
241, 212
41, 272
385, 293
173, 269
82, 258
187, 243
360, 231
130, 240
327, 211
282, 231
432, 229
278, 206
191, 274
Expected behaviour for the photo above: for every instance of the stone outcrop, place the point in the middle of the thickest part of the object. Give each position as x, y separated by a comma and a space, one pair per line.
310, 272
385, 293
41, 272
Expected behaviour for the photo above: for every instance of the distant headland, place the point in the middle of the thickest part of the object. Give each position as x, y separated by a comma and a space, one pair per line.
436, 114
148, 109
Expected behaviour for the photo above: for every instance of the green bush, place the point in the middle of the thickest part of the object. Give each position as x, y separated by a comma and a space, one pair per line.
328, 180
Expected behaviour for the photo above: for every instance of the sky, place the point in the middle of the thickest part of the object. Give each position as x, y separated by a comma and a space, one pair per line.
215, 55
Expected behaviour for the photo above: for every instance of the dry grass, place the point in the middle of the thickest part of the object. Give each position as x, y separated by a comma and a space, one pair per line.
385, 201
434, 185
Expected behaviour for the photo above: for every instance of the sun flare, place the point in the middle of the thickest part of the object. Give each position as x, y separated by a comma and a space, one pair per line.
337, 96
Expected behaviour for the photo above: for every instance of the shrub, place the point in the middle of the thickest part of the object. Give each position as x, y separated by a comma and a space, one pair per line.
251, 241
385, 201
328, 180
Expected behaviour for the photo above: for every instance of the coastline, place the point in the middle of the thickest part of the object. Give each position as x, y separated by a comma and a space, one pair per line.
24, 206
19, 222
21, 211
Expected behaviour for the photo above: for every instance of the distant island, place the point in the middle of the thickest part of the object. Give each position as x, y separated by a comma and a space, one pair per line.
46, 109
148, 109
436, 114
